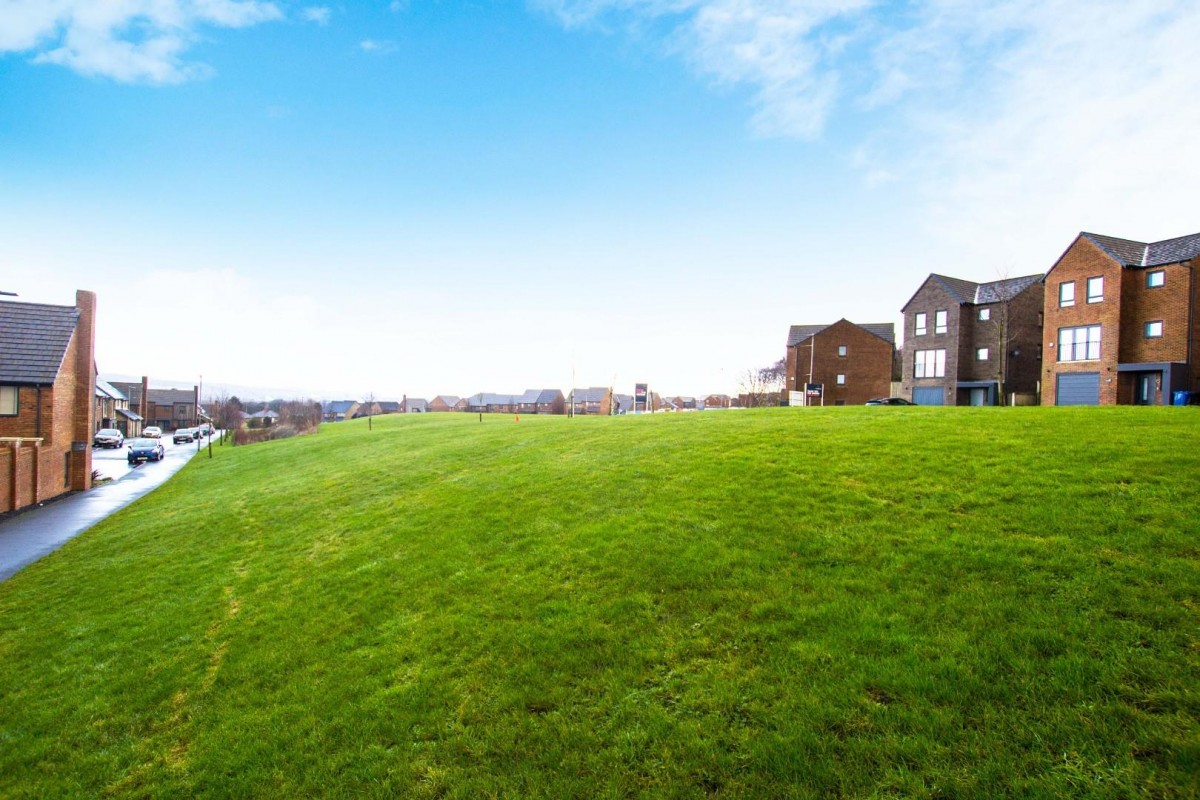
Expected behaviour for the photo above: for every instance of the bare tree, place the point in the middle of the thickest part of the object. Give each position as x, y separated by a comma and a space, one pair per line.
762, 386
370, 407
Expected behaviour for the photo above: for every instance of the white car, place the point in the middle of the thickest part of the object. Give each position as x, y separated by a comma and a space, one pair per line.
153, 432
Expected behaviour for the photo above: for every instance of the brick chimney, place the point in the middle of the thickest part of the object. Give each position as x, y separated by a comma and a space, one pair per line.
85, 391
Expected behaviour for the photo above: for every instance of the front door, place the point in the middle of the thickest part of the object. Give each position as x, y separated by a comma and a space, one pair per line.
979, 397
1145, 388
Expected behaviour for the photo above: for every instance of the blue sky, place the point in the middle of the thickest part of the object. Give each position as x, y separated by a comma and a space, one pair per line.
443, 197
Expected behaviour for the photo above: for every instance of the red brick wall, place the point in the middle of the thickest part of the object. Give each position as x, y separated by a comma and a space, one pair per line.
867, 364
1169, 303
1083, 260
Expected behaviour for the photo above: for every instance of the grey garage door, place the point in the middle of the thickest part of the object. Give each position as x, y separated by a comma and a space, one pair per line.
929, 396
1078, 389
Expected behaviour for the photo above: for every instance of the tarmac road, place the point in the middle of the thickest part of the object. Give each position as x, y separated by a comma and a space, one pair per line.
32, 534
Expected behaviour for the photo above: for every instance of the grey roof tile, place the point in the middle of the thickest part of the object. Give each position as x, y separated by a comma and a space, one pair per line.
33, 341
962, 290
1142, 254
1006, 289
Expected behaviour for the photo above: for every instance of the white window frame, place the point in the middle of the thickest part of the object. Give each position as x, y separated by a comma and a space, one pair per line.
981, 354
1156, 279
929, 364
843, 351
941, 321
985, 314
10, 401
1098, 296
1154, 329
1066, 294
1080, 343
921, 324
841, 379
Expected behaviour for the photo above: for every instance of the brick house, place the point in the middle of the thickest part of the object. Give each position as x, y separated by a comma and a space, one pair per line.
596, 400
542, 401
413, 405
170, 409
339, 410
447, 402
717, 401
1121, 322
112, 411
852, 363
47, 399
489, 403
968, 343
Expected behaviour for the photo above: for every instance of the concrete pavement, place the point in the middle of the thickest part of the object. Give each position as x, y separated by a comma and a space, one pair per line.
26, 537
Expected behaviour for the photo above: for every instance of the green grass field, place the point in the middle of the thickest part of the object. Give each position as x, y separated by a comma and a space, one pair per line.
781, 603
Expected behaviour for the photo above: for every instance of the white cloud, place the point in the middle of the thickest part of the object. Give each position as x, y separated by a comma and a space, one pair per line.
1033, 117
126, 40
376, 46
318, 14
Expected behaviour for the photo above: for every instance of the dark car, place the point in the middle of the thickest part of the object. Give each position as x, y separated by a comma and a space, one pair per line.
889, 401
184, 435
108, 437
145, 450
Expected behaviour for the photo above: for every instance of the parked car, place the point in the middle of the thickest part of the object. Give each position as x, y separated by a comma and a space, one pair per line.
152, 432
145, 450
184, 435
108, 437
889, 401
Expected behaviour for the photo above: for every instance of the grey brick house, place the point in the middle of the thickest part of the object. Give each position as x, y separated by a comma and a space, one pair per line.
968, 343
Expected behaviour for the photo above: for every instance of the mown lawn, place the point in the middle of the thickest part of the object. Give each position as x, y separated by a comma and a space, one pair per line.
838, 602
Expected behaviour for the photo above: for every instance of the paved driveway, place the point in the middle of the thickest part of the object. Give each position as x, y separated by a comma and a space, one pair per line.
32, 534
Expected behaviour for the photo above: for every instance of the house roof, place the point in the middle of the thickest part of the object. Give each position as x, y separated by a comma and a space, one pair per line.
339, 406
594, 394
390, 406
624, 402
530, 397
549, 396
1147, 254
802, 333
163, 397
106, 389
131, 415
449, 399
419, 403
33, 341
966, 292
266, 413
490, 399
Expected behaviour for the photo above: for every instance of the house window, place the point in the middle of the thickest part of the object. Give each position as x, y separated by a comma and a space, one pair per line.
841, 379
1079, 344
940, 321
1095, 289
842, 351
929, 364
1155, 279
981, 354
922, 323
8, 401
1066, 294
985, 314
1154, 329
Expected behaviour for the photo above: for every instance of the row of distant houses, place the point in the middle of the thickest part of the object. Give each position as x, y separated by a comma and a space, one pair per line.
1113, 321
590, 401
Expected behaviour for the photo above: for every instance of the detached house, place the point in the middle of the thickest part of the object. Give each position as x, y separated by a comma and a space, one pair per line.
852, 363
447, 402
340, 410
173, 408
47, 399
968, 343
595, 400
1121, 322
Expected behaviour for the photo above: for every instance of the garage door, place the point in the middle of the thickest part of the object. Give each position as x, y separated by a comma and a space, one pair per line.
930, 396
1078, 389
